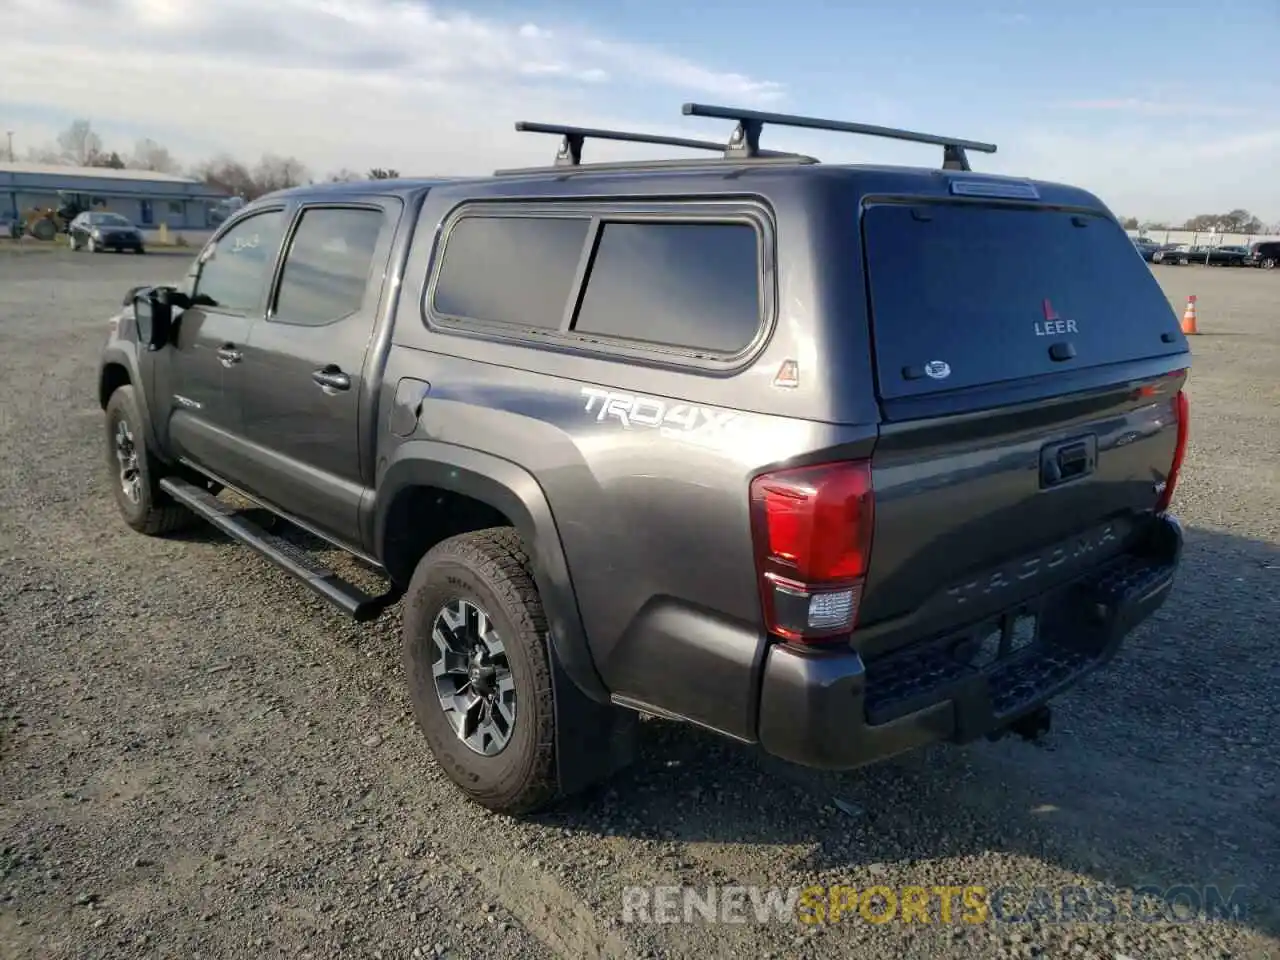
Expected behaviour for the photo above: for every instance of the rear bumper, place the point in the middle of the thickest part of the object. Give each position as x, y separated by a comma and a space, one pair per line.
829, 709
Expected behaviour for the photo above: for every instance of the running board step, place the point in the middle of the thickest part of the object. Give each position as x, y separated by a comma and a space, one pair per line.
346, 596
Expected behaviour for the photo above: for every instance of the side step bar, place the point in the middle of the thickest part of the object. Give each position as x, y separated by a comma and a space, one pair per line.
346, 596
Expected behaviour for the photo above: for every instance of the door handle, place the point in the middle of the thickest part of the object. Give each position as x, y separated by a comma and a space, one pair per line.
229, 355
331, 378
1068, 460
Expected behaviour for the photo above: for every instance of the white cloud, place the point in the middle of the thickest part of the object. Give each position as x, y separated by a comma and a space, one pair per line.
431, 89
1162, 172
336, 82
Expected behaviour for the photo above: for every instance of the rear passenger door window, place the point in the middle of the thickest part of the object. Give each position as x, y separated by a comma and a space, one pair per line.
327, 266
692, 286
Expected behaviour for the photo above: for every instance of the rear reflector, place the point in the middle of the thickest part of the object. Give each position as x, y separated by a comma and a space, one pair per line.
1182, 411
812, 530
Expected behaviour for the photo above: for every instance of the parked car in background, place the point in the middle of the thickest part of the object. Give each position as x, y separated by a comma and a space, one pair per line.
1265, 254
1220, 256
223, 209
1146, 247
104, 231
1178, 253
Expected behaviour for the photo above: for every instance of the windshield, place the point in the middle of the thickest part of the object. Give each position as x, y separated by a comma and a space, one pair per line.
108, 220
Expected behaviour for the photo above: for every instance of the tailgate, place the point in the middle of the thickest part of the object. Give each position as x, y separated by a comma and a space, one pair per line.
1023, 360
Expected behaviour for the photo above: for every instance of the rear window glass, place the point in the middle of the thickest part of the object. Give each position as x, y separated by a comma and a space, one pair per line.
514, 270
695, 286
964, 295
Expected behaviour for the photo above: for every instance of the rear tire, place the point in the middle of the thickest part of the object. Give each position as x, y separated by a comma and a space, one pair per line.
135, 471
483, 579
1268, 263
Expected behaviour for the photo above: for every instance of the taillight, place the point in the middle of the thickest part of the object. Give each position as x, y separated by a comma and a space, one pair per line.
812, 530
1181, 411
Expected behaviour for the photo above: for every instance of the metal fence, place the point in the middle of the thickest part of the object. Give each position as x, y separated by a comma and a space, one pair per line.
1203, 238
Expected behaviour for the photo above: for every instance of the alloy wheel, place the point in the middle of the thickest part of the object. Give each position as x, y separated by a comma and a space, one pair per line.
127, 457
473, 677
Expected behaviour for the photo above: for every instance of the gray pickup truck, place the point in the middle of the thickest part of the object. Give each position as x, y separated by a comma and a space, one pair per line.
833, 460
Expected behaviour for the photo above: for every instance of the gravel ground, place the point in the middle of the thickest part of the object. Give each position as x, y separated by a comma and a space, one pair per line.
197, 759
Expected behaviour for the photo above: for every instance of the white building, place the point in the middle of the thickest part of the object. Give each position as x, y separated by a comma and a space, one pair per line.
146, 198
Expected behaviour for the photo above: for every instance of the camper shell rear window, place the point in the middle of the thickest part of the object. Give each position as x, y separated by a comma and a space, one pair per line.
966, 294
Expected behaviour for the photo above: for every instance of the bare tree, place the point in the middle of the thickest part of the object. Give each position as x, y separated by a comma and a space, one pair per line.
345, 175
79, 144
229, 175
1234, 221
384, 173
149, 155
279, 173
112, 160
45, 154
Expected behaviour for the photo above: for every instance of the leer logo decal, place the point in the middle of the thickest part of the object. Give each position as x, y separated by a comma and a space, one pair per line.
938, 369
1053, 325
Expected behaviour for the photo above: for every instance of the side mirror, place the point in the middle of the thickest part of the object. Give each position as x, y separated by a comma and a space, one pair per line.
153, 318
173, 298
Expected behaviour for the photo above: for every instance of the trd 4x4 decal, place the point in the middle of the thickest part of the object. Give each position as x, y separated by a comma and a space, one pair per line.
673, 419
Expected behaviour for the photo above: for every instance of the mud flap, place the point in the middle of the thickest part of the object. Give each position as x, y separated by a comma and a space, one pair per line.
594, 740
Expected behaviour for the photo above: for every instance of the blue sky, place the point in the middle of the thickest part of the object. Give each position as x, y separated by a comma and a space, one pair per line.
1165, 109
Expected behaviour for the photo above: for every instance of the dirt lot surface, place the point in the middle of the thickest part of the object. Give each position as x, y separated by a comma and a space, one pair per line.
198, 759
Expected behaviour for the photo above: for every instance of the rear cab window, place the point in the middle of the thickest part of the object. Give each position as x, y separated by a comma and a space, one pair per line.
970, 294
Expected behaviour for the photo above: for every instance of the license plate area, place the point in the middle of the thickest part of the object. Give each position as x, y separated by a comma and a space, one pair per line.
999, 639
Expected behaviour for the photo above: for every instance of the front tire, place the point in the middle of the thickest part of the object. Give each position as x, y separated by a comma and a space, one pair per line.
479, 671
91, 245
135, 471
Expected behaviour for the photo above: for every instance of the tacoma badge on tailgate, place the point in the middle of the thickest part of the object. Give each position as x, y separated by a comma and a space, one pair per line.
1061, 557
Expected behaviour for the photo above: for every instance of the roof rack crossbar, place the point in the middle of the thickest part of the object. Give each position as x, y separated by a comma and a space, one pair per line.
745, 140
570, 152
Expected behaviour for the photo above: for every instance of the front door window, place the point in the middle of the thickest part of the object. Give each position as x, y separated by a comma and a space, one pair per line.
234, 270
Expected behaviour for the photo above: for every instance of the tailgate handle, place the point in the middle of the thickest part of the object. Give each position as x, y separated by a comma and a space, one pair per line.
1068, 460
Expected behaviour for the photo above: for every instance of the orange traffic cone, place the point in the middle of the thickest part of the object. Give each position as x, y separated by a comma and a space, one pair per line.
1189, 317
